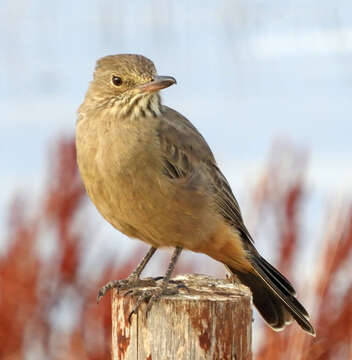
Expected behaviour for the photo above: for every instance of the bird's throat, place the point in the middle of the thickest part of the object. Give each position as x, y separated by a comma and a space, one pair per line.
141, 105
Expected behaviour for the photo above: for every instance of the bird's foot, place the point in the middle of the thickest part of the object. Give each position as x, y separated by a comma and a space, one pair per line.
126, 285
150, 296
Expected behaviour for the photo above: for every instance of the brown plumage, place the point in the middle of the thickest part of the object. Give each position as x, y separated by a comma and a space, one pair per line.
152, 175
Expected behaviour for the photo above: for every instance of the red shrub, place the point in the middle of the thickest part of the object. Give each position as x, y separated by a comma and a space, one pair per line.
49, 308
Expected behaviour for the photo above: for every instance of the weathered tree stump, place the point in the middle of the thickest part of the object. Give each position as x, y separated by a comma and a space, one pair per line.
212, 320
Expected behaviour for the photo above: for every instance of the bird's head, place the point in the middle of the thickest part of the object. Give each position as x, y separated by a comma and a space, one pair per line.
129, 83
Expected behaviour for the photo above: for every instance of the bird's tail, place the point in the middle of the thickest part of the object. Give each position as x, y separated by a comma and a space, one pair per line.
273, 295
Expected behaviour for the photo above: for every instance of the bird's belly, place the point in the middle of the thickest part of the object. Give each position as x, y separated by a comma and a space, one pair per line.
145, 205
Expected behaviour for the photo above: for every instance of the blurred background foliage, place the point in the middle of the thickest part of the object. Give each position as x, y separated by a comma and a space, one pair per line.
248, 72
48, 301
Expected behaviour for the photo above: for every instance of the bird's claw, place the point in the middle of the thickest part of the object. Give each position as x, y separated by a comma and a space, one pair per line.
125, 284
132, 287
150, 296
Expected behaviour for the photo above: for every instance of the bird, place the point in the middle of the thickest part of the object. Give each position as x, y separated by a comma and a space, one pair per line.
152, 176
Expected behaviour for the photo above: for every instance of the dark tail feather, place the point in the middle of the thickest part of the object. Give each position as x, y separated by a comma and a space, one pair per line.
274, 296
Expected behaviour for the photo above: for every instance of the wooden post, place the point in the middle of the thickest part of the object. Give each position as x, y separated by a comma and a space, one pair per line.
212, 320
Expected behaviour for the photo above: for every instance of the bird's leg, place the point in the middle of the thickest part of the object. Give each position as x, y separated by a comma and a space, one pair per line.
137, 272
152, 295
133, 279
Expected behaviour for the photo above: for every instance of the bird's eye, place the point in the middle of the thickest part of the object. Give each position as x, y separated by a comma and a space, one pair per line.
116, 80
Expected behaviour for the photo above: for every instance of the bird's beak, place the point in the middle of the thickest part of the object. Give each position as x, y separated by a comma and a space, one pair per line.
158, 83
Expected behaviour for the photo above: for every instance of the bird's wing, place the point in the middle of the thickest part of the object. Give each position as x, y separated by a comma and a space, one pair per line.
183, 147
185, 152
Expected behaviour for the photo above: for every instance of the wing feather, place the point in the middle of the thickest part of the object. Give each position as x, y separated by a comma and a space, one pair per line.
185, 152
